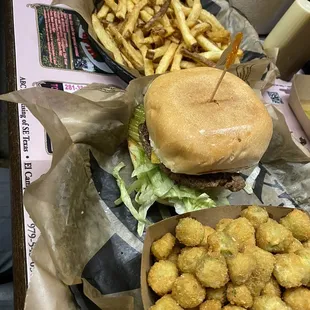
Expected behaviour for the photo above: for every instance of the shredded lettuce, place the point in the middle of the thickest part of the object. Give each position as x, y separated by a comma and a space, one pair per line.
152, 184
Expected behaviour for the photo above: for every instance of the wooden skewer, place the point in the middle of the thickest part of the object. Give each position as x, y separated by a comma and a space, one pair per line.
218, 85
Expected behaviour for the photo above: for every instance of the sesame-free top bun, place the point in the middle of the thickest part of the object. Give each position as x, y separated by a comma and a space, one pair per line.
193, 136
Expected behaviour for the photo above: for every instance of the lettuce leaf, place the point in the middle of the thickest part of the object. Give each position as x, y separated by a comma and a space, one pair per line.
152, 184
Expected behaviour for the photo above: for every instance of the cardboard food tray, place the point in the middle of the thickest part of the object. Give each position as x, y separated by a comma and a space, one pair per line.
300, 92
208, 217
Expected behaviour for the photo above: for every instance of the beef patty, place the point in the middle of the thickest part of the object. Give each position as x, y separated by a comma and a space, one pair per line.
231, 181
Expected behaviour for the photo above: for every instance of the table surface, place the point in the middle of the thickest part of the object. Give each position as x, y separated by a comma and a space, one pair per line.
27, 64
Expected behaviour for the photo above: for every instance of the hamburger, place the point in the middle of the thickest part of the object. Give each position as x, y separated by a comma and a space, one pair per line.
183, 146
204, 144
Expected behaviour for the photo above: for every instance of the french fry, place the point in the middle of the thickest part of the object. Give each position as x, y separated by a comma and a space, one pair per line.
174, 39
187, 64
149, 10
127, 62
121, 9
197, 58
148, 40
167, 25
132, 60
110, 17
200, 28
189, 40
137, 37
158, 52
206, 44
190, 3
112, 5
128, 50
194, 14
214, 56
224, 46
130, 6
103, 12
219, 36
106, 40
207, 17
166, 59
176, 63
162, 11
160, 2
160, 31
145, 16
158, 40
132, 19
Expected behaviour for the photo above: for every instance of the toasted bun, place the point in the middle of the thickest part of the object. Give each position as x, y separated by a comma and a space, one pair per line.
193, 136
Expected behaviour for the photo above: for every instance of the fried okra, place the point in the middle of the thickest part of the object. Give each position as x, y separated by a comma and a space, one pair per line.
166, 303
256, 215
240, 267
212, 271
162, 247
297, 298
189, 258
273, 237
242, 231
187, 291
298, 222
189, 231
162, 276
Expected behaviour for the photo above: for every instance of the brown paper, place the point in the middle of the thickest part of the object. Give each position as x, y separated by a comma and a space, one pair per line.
208, 217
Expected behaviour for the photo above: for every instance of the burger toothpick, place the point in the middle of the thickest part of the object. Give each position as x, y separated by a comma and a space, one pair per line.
229, 61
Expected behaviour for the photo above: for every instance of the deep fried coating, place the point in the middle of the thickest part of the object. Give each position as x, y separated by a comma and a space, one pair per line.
306, 244
265, 262
242, 231
273, 237
240, 267
256, 215
297, 298
173, 256
272, 288
304, 254
212, 271
189, 231
162, 247
189, 258
298, 222
161, 277
221, 225
187, 291
294, 246
269, 303
290, 270
217, 294
232, 307
239, 295
207, 232
221, 243
211, 305
166, 303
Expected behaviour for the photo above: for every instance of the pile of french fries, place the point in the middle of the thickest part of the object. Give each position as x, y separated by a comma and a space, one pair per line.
155, 36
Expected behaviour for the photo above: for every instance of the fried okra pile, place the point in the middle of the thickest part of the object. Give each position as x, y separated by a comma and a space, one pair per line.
252, 262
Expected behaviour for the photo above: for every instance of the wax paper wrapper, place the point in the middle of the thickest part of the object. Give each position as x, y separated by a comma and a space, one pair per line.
89, 252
